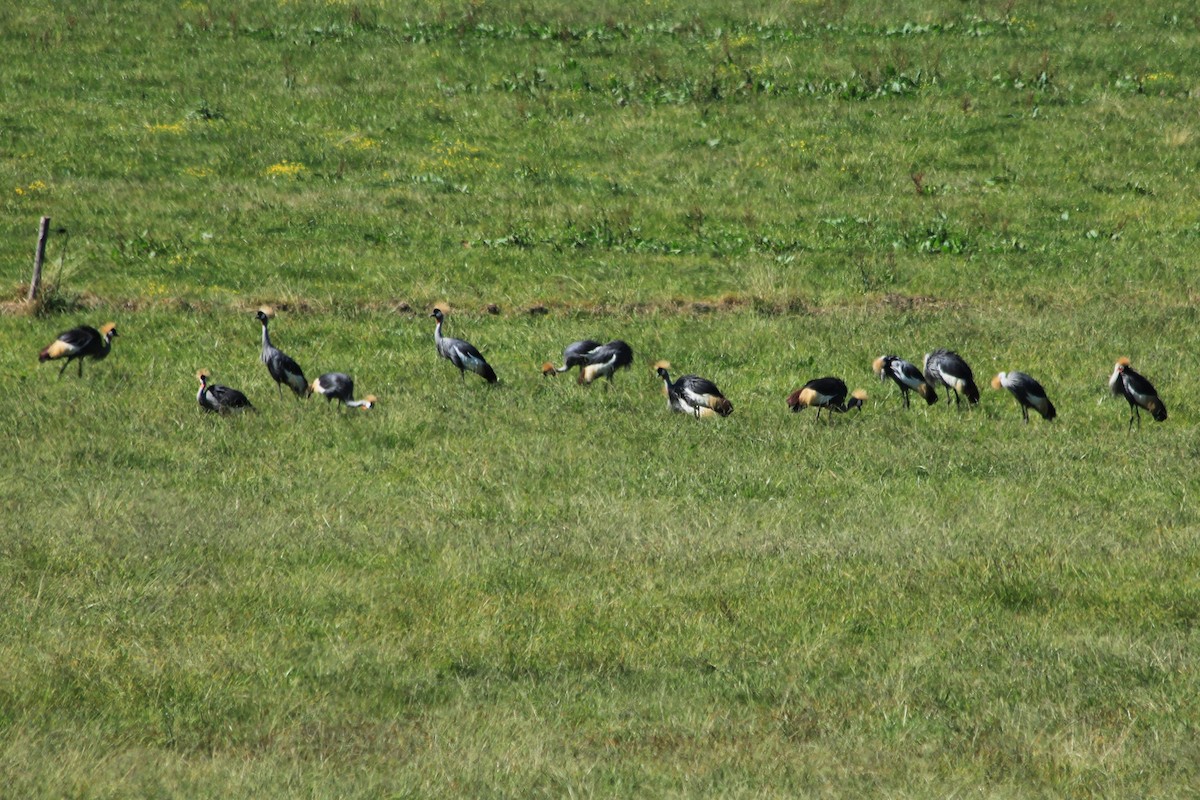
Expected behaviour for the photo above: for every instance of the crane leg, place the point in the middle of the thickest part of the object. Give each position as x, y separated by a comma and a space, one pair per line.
80, 367
66, 364
904, 396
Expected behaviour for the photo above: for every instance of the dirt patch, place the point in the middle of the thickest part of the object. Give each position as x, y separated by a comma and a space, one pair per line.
904, 302
14, 305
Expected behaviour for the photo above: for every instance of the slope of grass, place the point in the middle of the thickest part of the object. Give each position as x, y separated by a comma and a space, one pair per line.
350, 153
542, 588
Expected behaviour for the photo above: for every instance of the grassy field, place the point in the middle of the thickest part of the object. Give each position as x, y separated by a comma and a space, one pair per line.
541, 589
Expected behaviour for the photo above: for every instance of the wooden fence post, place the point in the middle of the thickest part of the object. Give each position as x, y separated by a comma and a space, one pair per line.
38, 258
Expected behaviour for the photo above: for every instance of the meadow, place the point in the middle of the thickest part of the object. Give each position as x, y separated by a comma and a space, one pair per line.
542, 589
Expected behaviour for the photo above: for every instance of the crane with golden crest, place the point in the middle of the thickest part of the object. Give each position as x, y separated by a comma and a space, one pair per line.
80, 343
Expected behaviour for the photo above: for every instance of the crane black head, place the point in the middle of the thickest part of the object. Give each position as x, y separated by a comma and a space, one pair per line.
264, 314
856, 399
437, 314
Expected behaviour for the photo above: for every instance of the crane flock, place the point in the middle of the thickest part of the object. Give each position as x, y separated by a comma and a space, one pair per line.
690, 394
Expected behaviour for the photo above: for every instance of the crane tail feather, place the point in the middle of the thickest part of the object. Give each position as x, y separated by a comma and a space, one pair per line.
56, 349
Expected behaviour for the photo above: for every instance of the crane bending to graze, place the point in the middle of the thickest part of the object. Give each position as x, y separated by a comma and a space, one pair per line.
825, 393
1029, 393
340, 386
605, 360
220, 399
79, 343
1138, 391
947, 368
461, 354
574, 355
282, 367
693, 395
905, 375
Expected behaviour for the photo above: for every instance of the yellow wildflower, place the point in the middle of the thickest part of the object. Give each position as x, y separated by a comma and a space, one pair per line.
288, 169
170, 127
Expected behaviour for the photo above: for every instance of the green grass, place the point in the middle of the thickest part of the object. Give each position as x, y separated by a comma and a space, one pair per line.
539, 589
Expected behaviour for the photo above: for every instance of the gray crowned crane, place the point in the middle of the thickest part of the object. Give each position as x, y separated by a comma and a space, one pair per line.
947, 368
693, 395
460, 353
606, 360
79, 343
1139, 392
282, 367
905, 375
1029, 393
220, 399
340, 386
574, 355
826, 393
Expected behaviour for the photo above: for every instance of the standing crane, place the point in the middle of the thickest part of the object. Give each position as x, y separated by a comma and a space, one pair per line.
460, 353
1139, 392
605, 360
947, 368
220, 399
79, 343
340, 386
574, 355
282, 367
693, 395
1029, 394
825, 393
905, 375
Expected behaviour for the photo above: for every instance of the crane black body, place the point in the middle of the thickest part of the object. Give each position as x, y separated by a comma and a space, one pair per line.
282, 367
78, 344
1028, 393
460, 353
1138, 392
694, 395
947, 368
220, 399
340, 386
825, 393
905, 375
